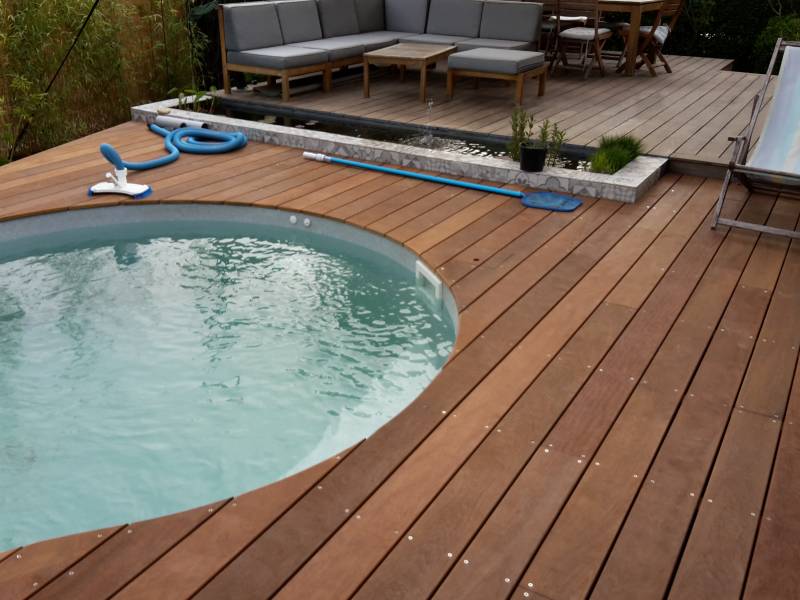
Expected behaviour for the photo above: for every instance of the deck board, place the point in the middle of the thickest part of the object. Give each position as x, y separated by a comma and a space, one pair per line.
689, 113
576, 331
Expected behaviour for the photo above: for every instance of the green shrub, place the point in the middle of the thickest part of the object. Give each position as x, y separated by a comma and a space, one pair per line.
786, 27
614, 153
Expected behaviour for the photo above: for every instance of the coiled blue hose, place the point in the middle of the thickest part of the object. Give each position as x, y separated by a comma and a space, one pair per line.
190, 140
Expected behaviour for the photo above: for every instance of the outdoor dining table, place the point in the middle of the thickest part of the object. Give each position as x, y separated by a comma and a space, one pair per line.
635, 8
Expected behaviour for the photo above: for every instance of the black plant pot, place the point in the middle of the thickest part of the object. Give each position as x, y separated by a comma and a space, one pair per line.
532, 157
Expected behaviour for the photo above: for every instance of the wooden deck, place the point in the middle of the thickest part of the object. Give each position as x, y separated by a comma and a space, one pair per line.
688, 114
620, 418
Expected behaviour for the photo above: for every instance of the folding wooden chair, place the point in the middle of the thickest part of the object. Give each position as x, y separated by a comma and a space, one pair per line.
590, 38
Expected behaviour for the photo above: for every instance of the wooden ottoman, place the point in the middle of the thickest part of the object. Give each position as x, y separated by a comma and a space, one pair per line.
494, 63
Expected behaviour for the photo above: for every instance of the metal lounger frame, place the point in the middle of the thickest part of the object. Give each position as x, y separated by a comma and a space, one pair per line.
738, 168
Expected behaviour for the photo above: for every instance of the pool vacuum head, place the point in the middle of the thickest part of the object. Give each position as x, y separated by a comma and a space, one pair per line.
117, 183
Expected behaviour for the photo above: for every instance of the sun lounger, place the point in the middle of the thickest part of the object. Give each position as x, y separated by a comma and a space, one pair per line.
773, 165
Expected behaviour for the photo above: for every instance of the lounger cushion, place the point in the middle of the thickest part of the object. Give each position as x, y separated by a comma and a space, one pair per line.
455, 17
338, 17
583, 34
373, 40
371, 15
252, 25
432, 38
511, 21
488, 43
492, 60
299, 21
337, 48
280, 57
406, 15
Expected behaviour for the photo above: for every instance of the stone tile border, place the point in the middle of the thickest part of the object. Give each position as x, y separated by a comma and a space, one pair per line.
627, 185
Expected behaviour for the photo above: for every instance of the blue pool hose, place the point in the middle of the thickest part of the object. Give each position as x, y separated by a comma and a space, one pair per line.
543, 200
188, 139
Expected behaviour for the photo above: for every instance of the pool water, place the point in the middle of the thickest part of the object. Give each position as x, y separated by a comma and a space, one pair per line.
152, 374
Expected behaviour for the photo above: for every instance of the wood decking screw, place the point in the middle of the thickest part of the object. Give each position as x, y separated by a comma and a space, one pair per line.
752, 514
547, 450
526, 594
234, 504
652, 481
601, 370
18, 556
444, 412
449, 555
210, 510
99, 535
346, 510
319, 487
130, 531
499, 431
597, 464
486, 427
466, 562
507, 580
358, 516
691, 494
709, 500
411, 538
530, 584
580, 461
35, 584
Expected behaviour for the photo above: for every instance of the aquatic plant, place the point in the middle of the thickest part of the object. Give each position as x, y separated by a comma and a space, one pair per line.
615, 152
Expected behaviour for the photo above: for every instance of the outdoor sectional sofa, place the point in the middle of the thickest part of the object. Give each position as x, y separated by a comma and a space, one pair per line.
287, 38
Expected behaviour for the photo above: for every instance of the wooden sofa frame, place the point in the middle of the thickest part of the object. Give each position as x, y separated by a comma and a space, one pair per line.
519, 79
325, 68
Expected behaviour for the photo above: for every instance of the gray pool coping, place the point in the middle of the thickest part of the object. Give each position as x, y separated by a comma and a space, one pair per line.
626, 185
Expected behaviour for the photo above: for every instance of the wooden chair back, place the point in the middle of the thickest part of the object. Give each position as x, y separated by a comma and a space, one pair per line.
578, 8
670, 12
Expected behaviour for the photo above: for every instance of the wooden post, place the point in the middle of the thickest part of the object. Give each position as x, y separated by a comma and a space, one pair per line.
226, 78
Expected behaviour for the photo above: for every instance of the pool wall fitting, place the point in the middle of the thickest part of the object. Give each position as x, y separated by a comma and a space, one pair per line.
627, 185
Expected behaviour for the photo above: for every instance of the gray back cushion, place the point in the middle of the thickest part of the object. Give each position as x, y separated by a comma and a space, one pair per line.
455, 17
408, 16
252, 25
519, 21
338, 17
371, 15
299, 21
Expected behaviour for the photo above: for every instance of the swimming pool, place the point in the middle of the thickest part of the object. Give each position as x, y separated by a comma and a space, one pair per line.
155, 358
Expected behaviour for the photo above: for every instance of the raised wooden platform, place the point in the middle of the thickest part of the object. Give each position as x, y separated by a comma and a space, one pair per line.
688, 114
620, 419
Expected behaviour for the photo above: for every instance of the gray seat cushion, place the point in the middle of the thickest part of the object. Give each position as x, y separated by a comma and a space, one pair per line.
455, 17
432, 38
487, 43
252, 25
338, 17
371, 15
299, 21
279, 57
519, 21
492, 60
583, 34
406, 15
373, 40
337, 48
661, 33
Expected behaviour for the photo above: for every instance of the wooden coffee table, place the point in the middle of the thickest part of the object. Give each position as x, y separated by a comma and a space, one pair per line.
407, 55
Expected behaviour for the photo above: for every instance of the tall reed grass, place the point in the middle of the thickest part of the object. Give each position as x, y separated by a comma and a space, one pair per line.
131, 51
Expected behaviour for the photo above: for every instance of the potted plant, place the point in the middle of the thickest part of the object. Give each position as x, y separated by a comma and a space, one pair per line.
521, 131
533, 153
